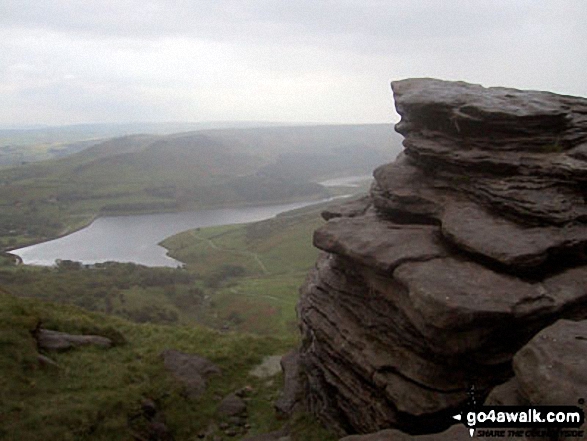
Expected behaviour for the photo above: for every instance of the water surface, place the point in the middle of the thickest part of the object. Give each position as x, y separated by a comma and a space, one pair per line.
135, 238
348, 181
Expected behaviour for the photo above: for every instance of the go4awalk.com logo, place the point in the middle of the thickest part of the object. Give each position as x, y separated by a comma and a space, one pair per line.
520, 421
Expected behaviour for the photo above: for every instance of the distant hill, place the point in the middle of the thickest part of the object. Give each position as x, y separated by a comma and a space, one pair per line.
206, 168
24, 144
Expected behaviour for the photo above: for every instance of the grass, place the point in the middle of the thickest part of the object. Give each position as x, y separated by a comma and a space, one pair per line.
275, 246
96, 393
270, 258
262, 305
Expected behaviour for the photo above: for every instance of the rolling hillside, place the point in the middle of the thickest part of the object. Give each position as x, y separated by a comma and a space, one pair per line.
150, 173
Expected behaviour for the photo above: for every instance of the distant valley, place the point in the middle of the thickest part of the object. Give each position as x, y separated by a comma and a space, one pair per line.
178, 172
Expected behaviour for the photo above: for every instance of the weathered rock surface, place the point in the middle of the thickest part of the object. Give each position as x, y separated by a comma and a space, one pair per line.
190, 370
352, 208
557, 357
551, 369
231, 406
467, 246
271, 365
290, 395
61, 341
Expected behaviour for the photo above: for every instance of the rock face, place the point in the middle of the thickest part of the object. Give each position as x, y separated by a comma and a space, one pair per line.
556, 356
469, 244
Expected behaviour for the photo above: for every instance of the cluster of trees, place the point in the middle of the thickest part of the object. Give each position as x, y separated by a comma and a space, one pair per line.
25, 221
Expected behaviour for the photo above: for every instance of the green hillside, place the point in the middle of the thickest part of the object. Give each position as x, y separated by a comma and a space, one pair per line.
210, 168
19, 145
98, 394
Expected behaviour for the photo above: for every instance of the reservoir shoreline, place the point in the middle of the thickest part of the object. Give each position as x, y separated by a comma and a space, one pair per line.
135, 238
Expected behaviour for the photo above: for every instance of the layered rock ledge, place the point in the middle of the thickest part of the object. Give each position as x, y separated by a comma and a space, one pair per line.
468, 245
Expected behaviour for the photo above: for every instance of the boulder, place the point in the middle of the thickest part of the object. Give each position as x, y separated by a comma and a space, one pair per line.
557, 357
352, 208
232, 406
190, 370
378, 243
290, 395
60, 341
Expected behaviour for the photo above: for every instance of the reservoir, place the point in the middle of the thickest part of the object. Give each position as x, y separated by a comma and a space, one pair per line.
135, 238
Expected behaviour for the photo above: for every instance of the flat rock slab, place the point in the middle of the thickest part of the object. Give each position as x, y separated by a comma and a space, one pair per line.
450, 293
552, 368
377, 243
352, 208
537, 200
471, 110
474, 229
190, 370
405, 192
60, 341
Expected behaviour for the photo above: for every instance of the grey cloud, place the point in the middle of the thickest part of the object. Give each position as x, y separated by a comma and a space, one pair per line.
265, 18
303, 60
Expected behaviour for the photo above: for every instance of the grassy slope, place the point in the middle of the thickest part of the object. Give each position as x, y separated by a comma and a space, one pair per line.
274, 257
94, 392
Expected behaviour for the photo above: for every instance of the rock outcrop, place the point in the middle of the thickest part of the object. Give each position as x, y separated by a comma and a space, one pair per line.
550, 370
469, 244
50, 340
290, 395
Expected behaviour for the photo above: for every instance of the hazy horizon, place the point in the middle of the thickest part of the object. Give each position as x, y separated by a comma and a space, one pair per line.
205, 125
64, 63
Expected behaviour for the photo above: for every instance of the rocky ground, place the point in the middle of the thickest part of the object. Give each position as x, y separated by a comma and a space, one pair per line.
453, 275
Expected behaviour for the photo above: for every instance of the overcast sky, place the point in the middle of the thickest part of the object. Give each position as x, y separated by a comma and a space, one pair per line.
73, 61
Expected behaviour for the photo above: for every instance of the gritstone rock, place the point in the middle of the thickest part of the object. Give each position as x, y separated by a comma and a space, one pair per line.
467, 246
